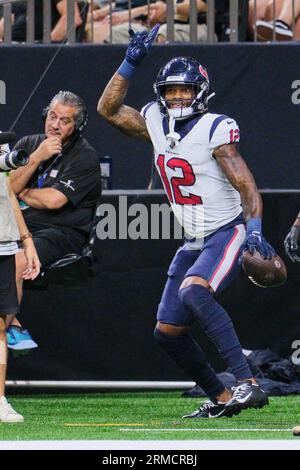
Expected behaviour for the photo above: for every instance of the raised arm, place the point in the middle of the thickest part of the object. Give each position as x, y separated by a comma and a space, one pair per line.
111, 107
111, 104
242, 180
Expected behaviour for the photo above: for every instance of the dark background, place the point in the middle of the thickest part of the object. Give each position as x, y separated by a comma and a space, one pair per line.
253, 84
103, 331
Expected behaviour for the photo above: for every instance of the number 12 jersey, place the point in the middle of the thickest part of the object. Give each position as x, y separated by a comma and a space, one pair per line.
201, 196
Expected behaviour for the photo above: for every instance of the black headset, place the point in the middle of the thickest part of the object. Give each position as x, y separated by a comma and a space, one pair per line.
79, 125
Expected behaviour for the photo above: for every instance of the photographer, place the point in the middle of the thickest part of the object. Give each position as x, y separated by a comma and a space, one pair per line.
58, 191
12, 229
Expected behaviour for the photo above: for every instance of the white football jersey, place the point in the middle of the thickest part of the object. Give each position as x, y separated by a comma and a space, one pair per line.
202, 198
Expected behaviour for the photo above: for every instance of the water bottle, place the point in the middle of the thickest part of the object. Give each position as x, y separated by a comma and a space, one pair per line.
106, 172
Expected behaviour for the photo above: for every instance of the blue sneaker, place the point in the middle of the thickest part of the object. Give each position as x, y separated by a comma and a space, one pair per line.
19, 339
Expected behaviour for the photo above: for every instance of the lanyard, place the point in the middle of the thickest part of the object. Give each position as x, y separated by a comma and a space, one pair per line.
42, 177
41, 180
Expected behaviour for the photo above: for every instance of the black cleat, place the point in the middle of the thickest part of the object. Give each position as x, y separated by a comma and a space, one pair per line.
247, 395
210, 409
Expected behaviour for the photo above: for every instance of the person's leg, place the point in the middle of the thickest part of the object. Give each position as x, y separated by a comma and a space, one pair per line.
171, 333
161, 37
51, 244
217, 265
297, 29
286, 12
273, 10
3, 354
256, 11
120, 32
181, 33
21, 264
277, 24
8, 305
100, 31
18, 338
215, 269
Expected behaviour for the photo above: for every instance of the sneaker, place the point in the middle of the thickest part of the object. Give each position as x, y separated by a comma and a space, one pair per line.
247, 395
8, 414
265, 29
209, 409
19, 339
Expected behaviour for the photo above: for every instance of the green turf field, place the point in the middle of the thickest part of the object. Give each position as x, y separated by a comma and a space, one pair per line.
142, 416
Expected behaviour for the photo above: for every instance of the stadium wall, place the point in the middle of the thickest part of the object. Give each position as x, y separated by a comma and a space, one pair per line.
257, 84
103, 330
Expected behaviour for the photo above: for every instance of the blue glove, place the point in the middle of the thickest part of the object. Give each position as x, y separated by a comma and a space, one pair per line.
138, 48
255, 241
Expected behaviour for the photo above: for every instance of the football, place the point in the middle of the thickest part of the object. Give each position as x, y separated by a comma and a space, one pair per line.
264, 272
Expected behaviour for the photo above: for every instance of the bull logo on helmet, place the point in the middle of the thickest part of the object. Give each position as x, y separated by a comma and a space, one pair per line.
203, 72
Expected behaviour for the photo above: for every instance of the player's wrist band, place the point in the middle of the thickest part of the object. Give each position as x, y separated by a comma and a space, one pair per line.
24, 237
254, 224
126, 70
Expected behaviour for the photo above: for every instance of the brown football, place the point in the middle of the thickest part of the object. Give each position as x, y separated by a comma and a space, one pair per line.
264, 272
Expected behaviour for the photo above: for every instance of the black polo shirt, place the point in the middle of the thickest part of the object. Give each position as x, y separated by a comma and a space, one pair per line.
76, 174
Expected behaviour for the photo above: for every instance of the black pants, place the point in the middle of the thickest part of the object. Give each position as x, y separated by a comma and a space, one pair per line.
53, 243
8, 289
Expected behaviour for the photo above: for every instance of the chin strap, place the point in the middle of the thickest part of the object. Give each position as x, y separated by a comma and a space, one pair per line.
173, 137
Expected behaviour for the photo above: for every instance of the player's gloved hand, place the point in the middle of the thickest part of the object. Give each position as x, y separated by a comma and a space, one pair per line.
138, 48
291, 243
255, 241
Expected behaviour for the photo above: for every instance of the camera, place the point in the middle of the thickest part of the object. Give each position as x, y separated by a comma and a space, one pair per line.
12, 160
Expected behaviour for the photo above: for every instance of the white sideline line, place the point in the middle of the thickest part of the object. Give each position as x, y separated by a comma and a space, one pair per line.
204, 430
116, 384
276, 444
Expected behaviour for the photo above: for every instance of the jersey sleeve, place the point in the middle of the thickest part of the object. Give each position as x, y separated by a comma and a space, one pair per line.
145, 108
224, 130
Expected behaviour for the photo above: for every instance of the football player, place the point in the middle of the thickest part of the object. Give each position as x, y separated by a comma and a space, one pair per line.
292, 241
206, 181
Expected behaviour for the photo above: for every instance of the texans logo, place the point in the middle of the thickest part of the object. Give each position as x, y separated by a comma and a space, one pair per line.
203, 72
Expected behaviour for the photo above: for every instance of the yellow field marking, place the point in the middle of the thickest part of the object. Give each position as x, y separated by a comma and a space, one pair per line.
101, 425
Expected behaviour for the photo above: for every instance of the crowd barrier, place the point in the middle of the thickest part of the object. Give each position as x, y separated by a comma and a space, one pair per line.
258, 85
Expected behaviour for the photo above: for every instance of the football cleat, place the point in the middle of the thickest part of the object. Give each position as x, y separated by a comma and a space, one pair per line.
247, 395
209, 409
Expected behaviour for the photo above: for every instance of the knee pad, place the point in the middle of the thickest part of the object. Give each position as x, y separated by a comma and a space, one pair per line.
195, 297
168, 342
161, 338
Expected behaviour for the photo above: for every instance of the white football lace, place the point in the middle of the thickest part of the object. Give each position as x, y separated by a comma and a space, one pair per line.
240, 391
207, 405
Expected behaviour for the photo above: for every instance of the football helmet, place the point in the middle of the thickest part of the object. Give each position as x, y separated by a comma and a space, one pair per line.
180, 71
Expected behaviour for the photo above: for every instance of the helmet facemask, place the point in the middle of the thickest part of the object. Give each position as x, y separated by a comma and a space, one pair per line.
197, 105
182, 71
